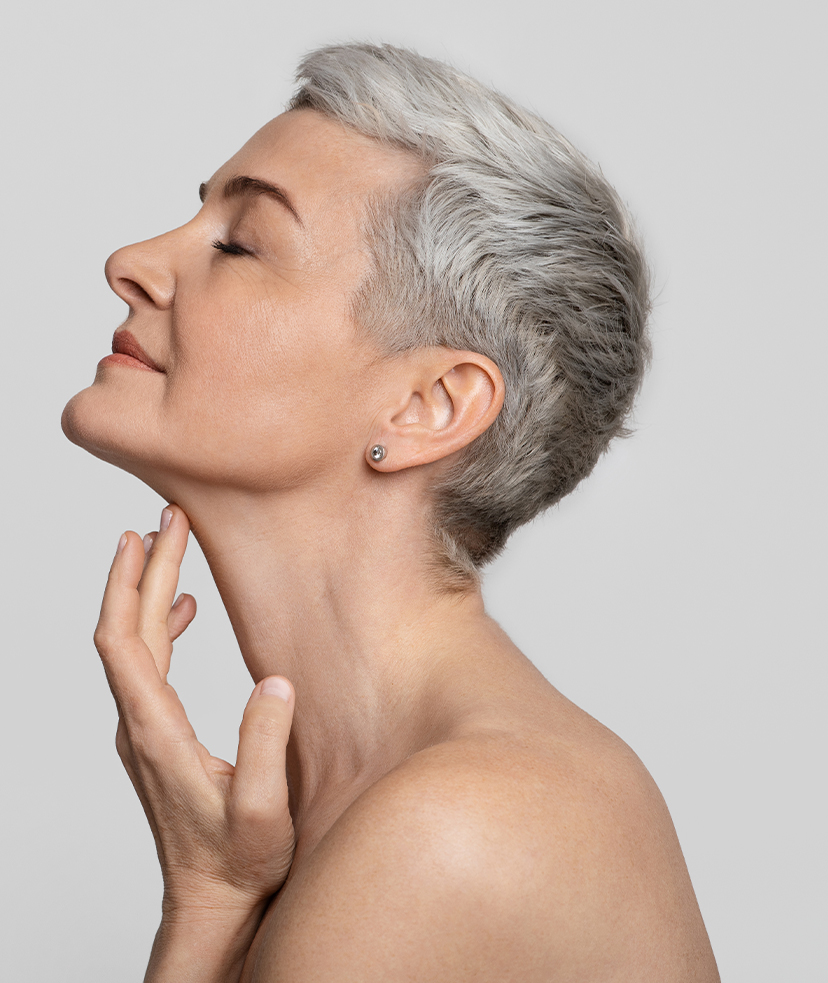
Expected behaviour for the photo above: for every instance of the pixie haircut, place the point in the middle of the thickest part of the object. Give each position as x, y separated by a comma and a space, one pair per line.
513, 245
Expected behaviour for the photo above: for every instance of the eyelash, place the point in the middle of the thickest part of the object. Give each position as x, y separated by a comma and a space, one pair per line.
228, 247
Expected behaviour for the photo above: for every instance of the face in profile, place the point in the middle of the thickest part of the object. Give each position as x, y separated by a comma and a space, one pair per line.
239, 362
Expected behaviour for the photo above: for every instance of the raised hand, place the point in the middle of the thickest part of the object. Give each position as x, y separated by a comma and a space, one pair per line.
224, 834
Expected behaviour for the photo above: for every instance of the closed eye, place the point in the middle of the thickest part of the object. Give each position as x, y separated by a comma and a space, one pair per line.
229, 247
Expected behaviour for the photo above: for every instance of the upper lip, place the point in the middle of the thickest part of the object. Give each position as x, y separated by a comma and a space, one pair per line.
124, 343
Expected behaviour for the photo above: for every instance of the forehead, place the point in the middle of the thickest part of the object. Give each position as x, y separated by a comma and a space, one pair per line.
326, 168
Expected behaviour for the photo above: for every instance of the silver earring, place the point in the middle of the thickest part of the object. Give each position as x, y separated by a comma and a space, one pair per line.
377, 452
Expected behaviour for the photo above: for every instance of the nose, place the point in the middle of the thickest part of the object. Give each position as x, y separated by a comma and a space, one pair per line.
142, 274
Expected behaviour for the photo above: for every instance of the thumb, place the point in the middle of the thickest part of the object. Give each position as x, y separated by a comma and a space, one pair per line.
259, 782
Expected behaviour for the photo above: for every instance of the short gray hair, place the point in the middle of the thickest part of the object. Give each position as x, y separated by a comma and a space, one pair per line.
514, 246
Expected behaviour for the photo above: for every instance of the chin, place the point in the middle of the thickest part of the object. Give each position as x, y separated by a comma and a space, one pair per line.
99, 429
111, 434
73, 422
89, 425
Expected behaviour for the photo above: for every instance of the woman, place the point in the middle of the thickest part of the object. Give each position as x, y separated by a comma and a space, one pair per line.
408, 317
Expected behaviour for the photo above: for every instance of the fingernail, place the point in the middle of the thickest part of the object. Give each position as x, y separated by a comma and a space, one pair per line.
273, 686
147, 543
166, 519
121, 543
177, 601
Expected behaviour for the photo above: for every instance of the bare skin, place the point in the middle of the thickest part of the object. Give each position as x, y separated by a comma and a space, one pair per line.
447, 813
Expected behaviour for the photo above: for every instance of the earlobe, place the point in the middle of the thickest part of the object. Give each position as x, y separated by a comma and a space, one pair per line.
451, 398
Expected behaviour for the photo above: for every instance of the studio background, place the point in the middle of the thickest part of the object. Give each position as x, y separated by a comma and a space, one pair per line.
674, 596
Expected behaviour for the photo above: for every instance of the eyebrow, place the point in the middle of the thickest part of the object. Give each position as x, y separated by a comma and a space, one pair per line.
242, 186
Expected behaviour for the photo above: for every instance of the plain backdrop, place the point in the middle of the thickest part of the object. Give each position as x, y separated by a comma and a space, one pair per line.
675, 596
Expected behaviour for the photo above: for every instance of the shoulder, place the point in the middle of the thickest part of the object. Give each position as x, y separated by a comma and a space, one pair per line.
487, 857
519, 824
490, 790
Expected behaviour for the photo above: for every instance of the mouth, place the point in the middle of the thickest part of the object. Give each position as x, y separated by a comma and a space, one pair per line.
127, 351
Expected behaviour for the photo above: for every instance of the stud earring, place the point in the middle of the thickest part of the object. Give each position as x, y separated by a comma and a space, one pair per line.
377, 452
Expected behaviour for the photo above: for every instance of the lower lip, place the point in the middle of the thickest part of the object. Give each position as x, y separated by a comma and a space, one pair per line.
120, 359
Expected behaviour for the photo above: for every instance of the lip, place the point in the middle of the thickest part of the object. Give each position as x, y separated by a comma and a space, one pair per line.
127, 351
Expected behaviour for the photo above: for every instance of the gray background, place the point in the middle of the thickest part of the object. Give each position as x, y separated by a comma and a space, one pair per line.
674, 596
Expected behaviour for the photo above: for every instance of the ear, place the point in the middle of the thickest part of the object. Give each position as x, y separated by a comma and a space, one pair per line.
446, 399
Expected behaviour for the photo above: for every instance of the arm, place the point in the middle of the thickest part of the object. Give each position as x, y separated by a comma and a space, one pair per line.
224, 834
202, 948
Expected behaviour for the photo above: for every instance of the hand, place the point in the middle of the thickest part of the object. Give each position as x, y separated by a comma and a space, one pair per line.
224, 834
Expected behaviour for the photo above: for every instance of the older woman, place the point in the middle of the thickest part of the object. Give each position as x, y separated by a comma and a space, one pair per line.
408, 316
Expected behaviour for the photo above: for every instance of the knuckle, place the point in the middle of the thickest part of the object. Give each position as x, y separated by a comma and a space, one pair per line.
251, 810
125, 754
124, 744
262, 725
124, 748
165, 558
139, 750
103, 638
135, 741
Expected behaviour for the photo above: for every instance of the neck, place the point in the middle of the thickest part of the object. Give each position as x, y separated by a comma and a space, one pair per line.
337, 595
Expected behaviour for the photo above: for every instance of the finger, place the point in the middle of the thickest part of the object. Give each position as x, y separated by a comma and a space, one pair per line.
181, 614
130, 668
159, 583
153, 725
260, 783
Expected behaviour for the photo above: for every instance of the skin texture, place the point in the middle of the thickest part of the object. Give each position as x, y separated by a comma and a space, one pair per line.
447, 814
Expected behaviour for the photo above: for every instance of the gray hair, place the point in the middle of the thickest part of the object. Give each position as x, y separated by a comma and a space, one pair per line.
514, 246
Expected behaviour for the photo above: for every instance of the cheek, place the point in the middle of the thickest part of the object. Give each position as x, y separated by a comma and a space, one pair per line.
267, 393
219, 355
254, 345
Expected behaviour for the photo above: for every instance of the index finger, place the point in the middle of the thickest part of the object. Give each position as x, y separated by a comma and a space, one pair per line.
129, 665
159, 582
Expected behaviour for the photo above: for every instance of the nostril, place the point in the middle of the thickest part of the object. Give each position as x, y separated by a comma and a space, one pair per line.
141, 274
131, 292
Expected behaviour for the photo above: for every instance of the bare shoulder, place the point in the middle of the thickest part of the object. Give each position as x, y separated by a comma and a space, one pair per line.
496, 857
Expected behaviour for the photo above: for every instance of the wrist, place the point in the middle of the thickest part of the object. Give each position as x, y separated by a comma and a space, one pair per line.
199, 907
203, 944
